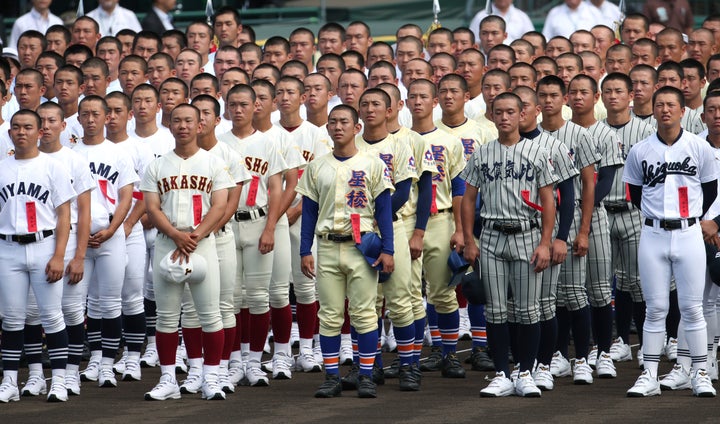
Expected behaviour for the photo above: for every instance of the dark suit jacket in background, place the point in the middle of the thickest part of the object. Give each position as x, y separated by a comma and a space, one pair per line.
152, 22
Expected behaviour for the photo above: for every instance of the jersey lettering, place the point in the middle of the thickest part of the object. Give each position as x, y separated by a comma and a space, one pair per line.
468, 146
104, 171
356, 198
256, 165
655, 174
308, 156
438, 153
496, 172
388, 159
186, 182
32, 190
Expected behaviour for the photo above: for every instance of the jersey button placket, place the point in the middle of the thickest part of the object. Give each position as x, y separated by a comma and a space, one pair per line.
183, 202
339, 216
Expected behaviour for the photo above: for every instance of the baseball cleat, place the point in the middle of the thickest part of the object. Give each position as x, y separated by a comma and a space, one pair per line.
433, 361
236, 371
366, 387
35, 386
702, 385
409, 381
378, 375
255, 375
166, 389
350, 381
317, 353
560, 366
331, 387
132, 371
605, 367
450, 366
464, 332
306, 362
224, 380
119, 366
193, 383
180, 366
500, 386
543, 377
150, 358
620, 351
294, 335
72, 383
515, 372
390, 344
480, 359
58, 391
670, 350
346, 353
9, 390
393, 371
641, 363
92, 371
107, 378
713, 369
592, 357
211, 389
281, 366
582, 373
646, 385
525, 385
677, 379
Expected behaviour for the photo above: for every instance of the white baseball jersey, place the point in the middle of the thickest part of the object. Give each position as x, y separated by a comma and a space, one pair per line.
488, 126
397, 157
715, 207
405, 117
30, 190
79, 170
629, 134
112, 169
343, 188
509, 178
262, 160
185, 186
7, 148
308, 139
690, 121
141, 156
233, 162
160, 143
224, 126
471, 134
449, 156
475, 107
670, 176
73, 131
424, 162
288, 149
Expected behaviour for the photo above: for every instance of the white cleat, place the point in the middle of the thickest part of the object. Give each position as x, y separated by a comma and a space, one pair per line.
560, 366
605, 367
35, 385
224, 380
236, 371
92, 371
133, 371
211, 389
193, 382
592, 357
670, 350
180, 365
646, 385
317, 353
306, 362
107, 378
701, 384
150, 358
346, 354
282, 366
72, 383
677, 379
641, 362
525, 385
119, 366
294, 335
543, 377
255, 375
464, 333
166, 389
58, 391
620, 351
500, 386
582, 373
9, 390
515, 372
713, 369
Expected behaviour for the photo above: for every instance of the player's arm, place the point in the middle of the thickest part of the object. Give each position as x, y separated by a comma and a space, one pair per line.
123, 207
422, 214
467, 215
267, 238
606, 176
233, 198
566, 213
457, 241
56, 265
288, 195
307, 234
401, 194
185, 244
710, 191
383, 218
134, 216
541, 255
218, 206
581, 243
76, 266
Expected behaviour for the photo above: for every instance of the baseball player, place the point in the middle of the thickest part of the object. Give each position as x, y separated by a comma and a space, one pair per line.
674, 161
566, 171
571, 294
133, 315
358, 184
624, 219
672, 74
515, 251
185, 192
114, 177
35, 216
444, 229
583, 95
74, 294
68, 87
254, 228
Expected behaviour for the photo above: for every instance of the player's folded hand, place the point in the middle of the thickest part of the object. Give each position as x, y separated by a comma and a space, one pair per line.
185, 242
541, 258
457, 241
471, 252
709, 229
99, 238
387, 261
54, 269
581, 245
558, 251
307, 265
75, 270
180, 257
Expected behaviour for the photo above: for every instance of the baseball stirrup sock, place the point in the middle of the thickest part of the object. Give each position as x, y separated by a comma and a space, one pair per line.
514, 348
193, 338
245, 326
419, 337
167, 347
563, 334
330, 346
367, 343
76, 336
212, 344
673, 317
499, 340
94, 333
238, 330
111, 332
462, 302
150, 316
378, 350
432, 319
623, 314
527, 345
57, 344
259, 325
346, 323
602, 325
405, 337
581, 331
548, 339
306, 314
33, 343
134, 331
639, 319
354, 340
12, 345
478, 326
281, 321
449, 326
228, 343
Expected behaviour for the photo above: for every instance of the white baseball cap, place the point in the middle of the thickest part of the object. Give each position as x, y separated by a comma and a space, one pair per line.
192, 271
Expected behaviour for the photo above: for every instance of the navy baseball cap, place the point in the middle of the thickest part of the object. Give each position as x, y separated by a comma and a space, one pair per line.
472, 286
371, 247
458, 266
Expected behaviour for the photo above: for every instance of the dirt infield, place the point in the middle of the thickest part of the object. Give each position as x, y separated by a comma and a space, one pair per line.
439, 401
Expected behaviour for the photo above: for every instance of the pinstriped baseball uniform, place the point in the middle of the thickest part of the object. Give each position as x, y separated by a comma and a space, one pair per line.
571, 291
471, 133
690, 121
599, 252
501, 174
624, 218
399, 159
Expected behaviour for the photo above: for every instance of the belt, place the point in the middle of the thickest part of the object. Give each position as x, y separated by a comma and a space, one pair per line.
511, 227
251, 214
338, 238
395, 217
670, 224
442, 211
27, 238
618, 207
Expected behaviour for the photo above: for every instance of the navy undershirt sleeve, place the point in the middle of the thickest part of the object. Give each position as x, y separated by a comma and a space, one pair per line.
566, 208
458, 186
605, 178
401, 194
422, 211
307, 230
383, 218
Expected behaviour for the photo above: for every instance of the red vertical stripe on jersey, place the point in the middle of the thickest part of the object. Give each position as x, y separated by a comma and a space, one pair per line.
104, 190
197, 208
252, 192
355, 222
433, 203
627, 193
526, 198
683, 199
31, 215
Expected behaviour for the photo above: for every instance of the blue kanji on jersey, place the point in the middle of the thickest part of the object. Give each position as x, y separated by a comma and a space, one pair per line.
438, 153
468, 146
357, 179
388, 159
571, 154
356, 199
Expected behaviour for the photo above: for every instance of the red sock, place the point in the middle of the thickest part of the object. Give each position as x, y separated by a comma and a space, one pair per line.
167, 347
259, 325
229, 343
193, 342
306, 317
245, 323
316, 329
346, 325
213, 346
281, 319
462, 302
238, 332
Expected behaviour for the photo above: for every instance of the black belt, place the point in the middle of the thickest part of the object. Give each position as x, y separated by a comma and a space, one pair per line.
27, 238
338, 238
248, 215
512, 228
670, 224
395, 217
442, 211
618, 207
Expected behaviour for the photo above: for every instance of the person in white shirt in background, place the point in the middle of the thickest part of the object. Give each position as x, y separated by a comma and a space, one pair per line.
610, 12
38, 18
570, 17
518, 22
112, 17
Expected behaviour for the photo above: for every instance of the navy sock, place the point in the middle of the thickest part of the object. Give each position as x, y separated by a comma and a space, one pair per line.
32, 336
514, 347
623, 314
405, 337
94, 333
528, 339
478, 325
602, 322
367, 344
673, 317
548, 339
639, 318
330, 346
432, 319
134, 331
57, 344
12, 345
111, 333
76, 336
354, 339
499, 340
378, 351
150, 316
581, 331
449, 327
563, 333
419, 336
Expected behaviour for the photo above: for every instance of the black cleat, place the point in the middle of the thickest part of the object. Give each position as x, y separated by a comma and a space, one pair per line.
366, 387
480, 360
451, 367
378, 375
409, 381
330, 388
350, 381
394, 370
432, 363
